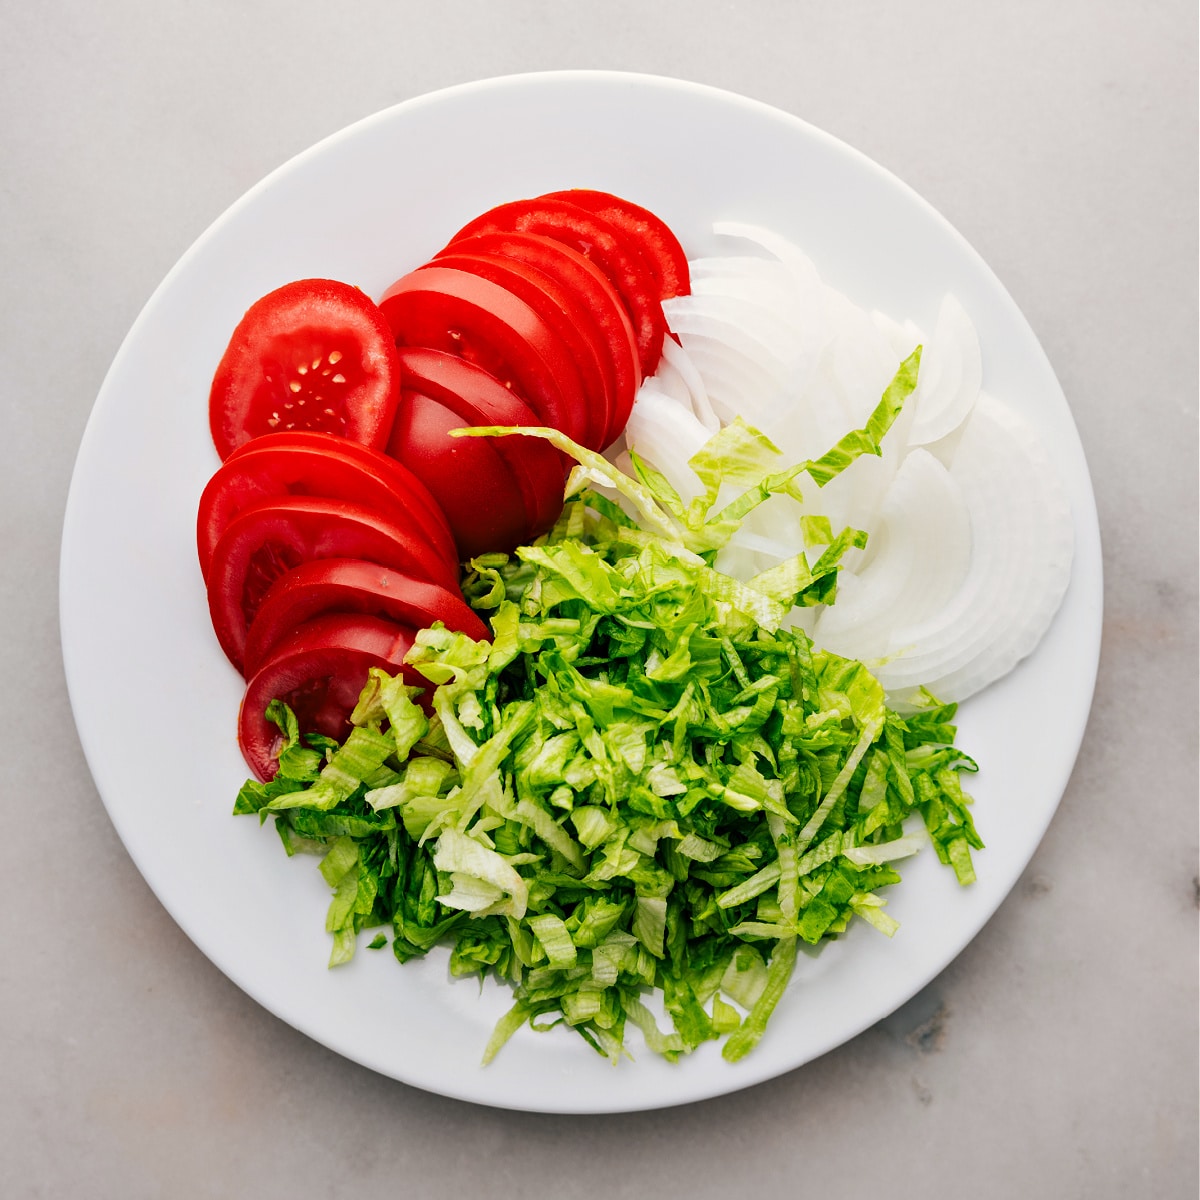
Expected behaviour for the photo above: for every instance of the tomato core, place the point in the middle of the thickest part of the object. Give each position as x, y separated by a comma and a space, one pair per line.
305, 377
267, 564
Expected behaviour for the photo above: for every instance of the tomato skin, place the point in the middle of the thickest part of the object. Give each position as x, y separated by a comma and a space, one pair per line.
347, 585
310, 334
316, 464
599, 300
457, 312
273, 536
564, 314
319, 671
477, 490
593, 237
478, 398
653, 236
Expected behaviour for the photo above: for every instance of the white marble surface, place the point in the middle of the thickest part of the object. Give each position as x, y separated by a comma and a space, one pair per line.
1057, 1056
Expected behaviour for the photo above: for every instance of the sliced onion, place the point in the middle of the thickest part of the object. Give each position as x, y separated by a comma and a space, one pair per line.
859, 362
950, 376
1022, 537
764, 327
802, 304
666, 434
970, 541
737, 384
676, 357
921, 555
903, 336
802, 269
667, 379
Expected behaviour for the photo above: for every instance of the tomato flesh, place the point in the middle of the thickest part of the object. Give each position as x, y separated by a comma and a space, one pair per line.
478, 398
564, 314
272, 537
600, 308
593, 237
347, 585
444, 309
653, 236
316, 464
319, 671
315, 354
477, 490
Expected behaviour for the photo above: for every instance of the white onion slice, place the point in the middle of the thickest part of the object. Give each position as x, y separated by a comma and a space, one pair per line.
756, 331
761, 279
1023, 542
950, 376
903, 336
668, 380
737, 384
921, 555
666, 434
675, 357
797, 262
970, 533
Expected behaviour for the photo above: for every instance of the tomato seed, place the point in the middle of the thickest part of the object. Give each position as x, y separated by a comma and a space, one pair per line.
335, 356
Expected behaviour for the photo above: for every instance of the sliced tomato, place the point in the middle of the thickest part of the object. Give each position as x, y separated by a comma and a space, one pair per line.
599, 301
478, 398
484, 323
319, 671
475, 487
619, 258
349, 585
653, 236
563, 312
316, 464
315, 354
273, 536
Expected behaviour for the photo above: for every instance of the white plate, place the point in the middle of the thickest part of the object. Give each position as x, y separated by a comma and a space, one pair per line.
156, 702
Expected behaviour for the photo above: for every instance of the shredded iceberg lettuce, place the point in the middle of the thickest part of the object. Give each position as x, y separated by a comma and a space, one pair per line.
646, 782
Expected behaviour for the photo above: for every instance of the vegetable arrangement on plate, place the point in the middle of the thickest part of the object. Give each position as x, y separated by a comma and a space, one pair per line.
630, 750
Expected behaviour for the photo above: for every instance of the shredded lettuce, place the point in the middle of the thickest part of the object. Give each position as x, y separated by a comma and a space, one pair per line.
647, 782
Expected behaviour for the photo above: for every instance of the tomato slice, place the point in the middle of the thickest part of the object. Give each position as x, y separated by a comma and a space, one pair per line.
652, 235
477, 490
478, 398
348, 585
273, 536
319, 671
316, 464
315, 354
563, 313
593, 237
600, 306
460, 313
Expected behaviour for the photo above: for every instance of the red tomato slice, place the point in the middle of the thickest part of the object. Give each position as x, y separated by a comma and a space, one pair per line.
319, 671
606, 246
478, 398
598, 299
562, 312
653, 236
348, 585
316, 464
476, 489
478, 320
273, 536
314, 354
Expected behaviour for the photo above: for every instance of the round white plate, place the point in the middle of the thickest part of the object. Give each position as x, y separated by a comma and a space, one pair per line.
156, 702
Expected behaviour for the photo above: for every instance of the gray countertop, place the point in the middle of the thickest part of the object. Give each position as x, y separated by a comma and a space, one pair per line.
1057, 1056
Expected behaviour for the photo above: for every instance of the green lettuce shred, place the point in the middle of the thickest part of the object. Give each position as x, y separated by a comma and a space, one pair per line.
648, 785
